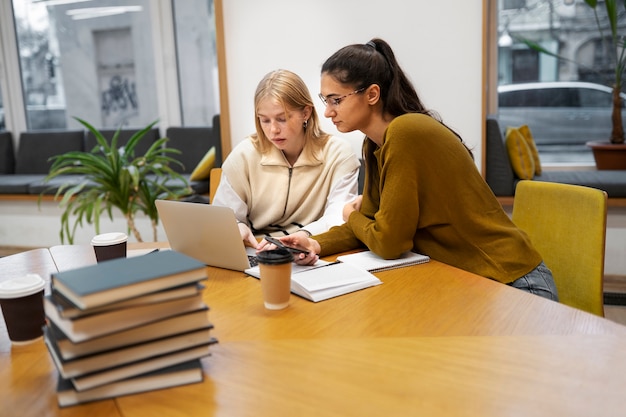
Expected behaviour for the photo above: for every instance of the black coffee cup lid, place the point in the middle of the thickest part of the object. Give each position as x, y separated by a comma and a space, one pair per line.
274, 257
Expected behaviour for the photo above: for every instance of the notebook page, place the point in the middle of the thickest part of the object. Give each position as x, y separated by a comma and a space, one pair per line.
331, 276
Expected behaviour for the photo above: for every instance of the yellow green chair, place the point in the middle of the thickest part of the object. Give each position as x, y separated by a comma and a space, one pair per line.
567, 225
214, 180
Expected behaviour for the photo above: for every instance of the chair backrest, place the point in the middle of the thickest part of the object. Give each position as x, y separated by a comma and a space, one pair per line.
214, 181
498, 170
37, 147
7, 154
194, 143
567, 225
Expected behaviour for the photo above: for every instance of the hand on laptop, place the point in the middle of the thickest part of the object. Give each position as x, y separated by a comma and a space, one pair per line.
247, 236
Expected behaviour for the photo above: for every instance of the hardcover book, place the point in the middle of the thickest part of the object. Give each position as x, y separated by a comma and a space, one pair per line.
118, 373
105, 360
180, 374
124, 278
96, 325
180, 323
68, 310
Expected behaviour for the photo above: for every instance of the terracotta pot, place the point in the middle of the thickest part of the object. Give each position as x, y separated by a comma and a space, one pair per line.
609, 155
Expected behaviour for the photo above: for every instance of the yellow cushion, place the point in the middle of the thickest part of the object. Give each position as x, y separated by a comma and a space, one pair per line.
519, 154
203, 170
530, 141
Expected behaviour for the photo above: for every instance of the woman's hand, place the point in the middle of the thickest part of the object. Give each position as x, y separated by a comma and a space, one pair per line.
354, 205
247, 236
265, 245
300, 240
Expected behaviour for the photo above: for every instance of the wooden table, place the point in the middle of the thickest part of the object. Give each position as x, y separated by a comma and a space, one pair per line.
372, 352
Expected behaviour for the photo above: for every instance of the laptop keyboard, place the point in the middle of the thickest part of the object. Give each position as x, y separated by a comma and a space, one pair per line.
253, 260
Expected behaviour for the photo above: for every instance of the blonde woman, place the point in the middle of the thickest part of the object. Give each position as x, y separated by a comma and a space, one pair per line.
290, 176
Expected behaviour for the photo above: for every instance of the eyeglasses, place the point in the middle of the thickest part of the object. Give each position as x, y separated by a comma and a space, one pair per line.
335, 101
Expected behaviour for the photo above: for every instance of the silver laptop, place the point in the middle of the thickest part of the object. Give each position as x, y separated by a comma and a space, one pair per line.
205, 232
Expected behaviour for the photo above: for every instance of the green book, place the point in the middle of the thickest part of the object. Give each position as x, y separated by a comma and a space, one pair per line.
181, 374
180, 323
126, 355
124, 278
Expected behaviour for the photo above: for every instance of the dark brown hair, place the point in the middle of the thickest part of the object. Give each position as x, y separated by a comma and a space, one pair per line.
361, 65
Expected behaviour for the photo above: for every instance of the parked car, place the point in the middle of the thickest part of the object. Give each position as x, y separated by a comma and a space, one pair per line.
562, 115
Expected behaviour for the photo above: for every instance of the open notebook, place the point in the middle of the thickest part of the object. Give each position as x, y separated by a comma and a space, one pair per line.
326, 280
349, 273
374, 263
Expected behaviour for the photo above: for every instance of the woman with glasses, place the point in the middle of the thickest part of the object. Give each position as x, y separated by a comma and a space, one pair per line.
422, 189
289, 176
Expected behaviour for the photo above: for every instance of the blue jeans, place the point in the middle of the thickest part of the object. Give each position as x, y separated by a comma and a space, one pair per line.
539, 281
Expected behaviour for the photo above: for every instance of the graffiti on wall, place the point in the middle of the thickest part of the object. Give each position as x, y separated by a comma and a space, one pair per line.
119, 100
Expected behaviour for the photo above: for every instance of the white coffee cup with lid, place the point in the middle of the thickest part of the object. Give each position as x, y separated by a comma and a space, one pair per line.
109, 246
21, 300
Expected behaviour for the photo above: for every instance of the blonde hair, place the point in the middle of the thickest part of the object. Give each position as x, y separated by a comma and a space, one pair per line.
288, 89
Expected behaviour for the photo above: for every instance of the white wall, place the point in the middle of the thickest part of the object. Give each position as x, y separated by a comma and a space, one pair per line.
438, 44
25, 223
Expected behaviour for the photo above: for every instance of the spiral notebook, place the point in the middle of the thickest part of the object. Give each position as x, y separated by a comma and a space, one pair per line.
374, 263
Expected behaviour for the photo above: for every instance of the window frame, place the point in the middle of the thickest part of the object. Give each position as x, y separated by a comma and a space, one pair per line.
166, 71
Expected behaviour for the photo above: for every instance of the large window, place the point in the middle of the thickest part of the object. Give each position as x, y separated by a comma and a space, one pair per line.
197, 60
565, 102
106, 61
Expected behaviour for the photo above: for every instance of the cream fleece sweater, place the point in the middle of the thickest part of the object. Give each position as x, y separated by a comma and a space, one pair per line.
271, 196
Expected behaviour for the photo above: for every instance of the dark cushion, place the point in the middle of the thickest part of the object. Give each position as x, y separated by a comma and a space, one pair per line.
499, 173
37, 147
18, 183
194, 143
611, 181
7, 155
52, 186
141, 148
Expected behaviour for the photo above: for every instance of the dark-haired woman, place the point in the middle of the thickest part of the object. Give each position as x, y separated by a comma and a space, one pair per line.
422, 189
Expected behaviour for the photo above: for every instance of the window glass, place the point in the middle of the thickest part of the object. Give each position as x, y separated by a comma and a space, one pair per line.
194, 22
86, 59
513, 4
567, 112
594, 98
557, 97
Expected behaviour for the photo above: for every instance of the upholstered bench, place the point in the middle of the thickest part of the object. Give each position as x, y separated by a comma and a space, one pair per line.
23, 172
502, 178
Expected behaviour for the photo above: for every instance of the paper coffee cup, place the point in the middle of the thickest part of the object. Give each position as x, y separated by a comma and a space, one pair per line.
109, 246
275, 268
21, 300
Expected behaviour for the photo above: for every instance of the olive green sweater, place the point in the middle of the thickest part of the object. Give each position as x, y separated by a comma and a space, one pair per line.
428, 196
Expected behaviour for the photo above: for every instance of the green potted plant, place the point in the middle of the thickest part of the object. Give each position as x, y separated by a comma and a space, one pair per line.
614, 150
115, 177
613, 155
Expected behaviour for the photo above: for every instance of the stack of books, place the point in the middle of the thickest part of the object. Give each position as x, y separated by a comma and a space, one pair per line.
127, 325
